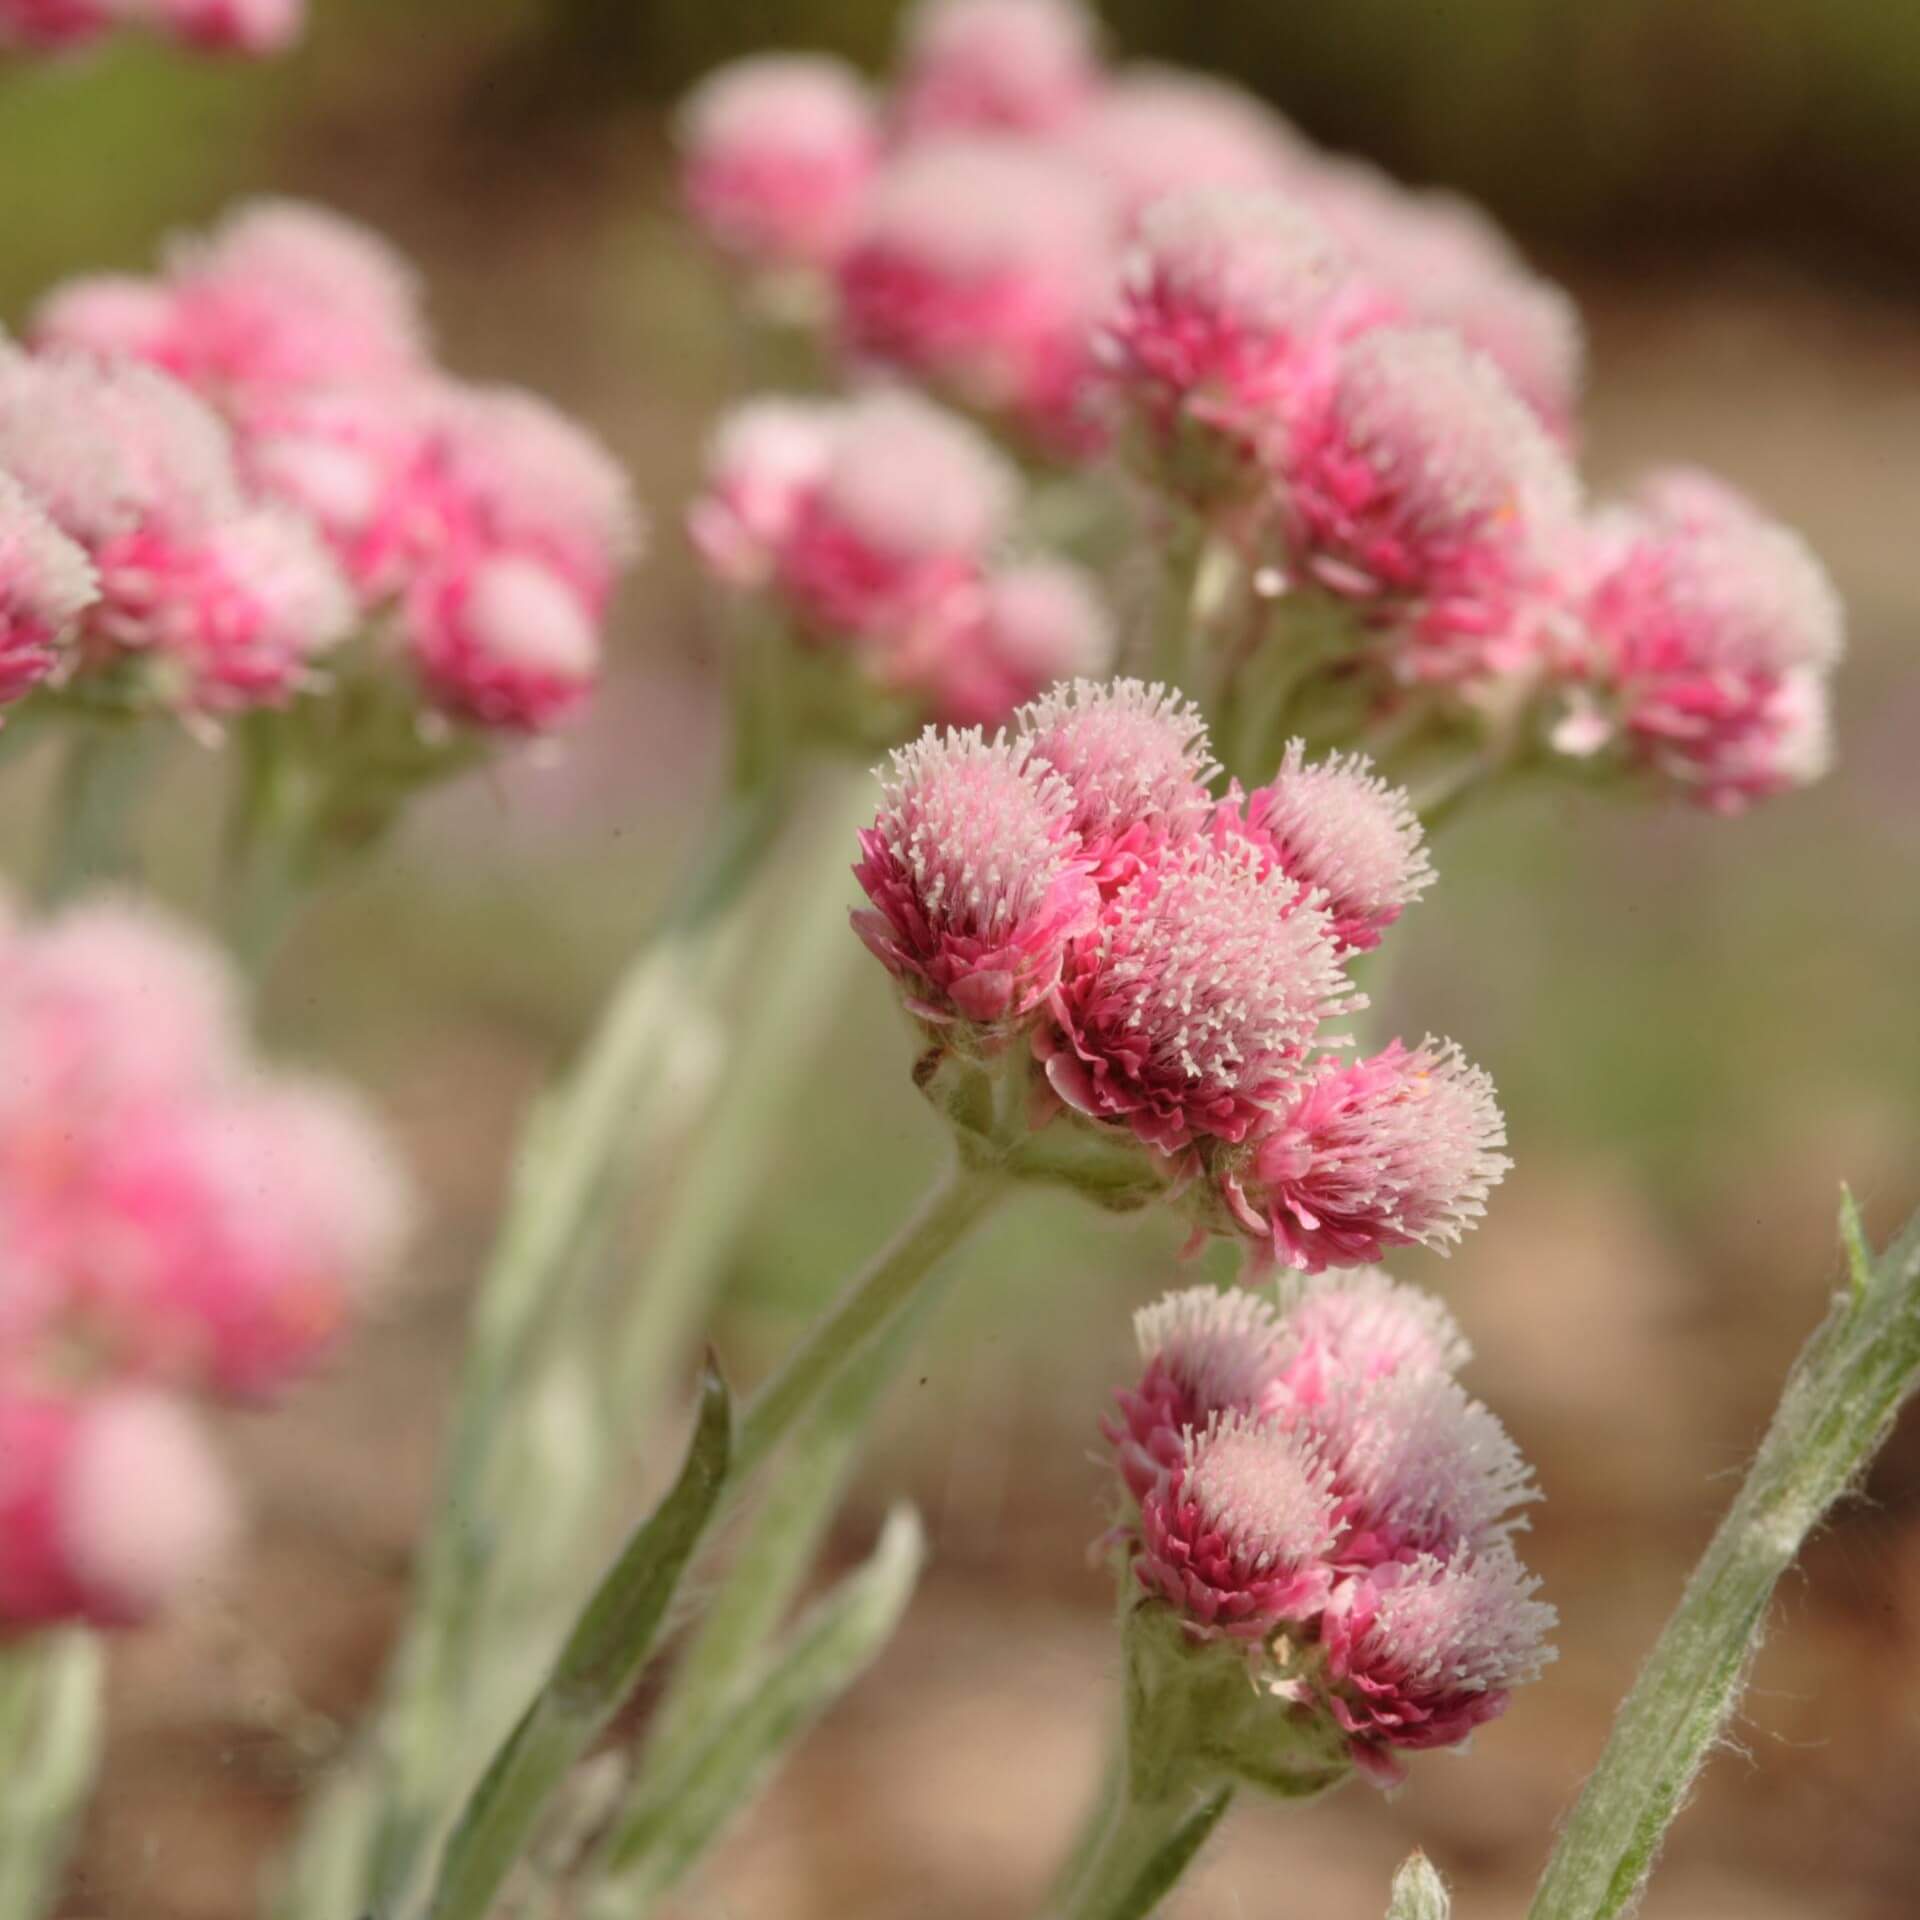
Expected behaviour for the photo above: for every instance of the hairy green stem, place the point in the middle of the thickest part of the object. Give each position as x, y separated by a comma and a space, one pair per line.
49, 1750
1147, 1844
108, 765
1839, 1402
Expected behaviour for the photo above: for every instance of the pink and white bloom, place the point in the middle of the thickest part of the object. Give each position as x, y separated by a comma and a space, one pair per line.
1419, 488
1354, 1328
1040, 621
1015, 66
1397, 1150
112, 316
979, 266
777, 153
762, 461
51, 26
975, 876
46, 584
256, 27
1706, 635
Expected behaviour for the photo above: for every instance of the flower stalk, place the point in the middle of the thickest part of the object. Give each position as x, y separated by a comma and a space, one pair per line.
50, 1731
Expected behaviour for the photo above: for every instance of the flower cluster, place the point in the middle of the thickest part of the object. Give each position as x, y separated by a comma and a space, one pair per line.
176, 1222
1309, 1479
476, 525
877, 530
1173, 965
254, 27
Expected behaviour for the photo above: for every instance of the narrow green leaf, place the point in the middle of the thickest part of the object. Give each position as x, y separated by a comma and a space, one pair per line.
597, 1668
1853, 1237
1418, 1893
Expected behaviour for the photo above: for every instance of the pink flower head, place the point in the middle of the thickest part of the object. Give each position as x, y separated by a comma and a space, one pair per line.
777, 152
890, 544
1235, 1538
1342, 831
1224, 295
1206, 1352
256, 27
1419, 1466
515, 474
1040, 621
111, 316
1016, 66
975, 876
1138, 761
1709, 633
1421, 1652
111, 1507
980, 265
1439, 259
1397, 1150
506, 643
1354, 1329
1157, 131
228, 1238
46, 584
1417, 485
1190, 1008
286, 295
48, 26
763, 459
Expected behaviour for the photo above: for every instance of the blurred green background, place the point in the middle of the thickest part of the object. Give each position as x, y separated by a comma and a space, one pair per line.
1698, 1027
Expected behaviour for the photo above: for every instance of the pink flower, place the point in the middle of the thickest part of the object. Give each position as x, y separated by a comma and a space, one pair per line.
46, 584
505, 643
1340, 830
1224, 296
1356, 1328
111, 316
1138, 761
1397, 1150
1707, 635
1018, 66
1040, 621
975, 877
777, 152
44, 26
1235, 1539
1419, 487
762, 461
980, 265
111, 1508
1420, 1653
1189, 1010
235, 26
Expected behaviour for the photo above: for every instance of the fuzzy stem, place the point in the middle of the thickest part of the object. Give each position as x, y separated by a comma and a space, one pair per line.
1147, 1844
1840, 1400
107, 767
49, 1750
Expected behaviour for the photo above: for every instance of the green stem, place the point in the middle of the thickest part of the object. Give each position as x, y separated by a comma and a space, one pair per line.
273, 815
1840, 1400
108, 765
49, 1750
1147, 1844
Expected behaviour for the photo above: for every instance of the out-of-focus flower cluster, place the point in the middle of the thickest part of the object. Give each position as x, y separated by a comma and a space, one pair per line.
1310, 1481
1072, 903
255, 27
256, 455
178, 1223
1362, 391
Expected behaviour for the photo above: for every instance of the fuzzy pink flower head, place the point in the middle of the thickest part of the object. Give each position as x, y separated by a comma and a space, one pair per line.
762, 461
1040, 621
282, 294
515, 473
1355, 1329
1341, 830
777, 153
1710, 632
1439, 259
111, 1508
1188, 1011
1420, 487
1419, 1466
52, 26
111, 316
1019, 66
902, 521
1235, 1538
975, 876
1420, 1653
254, 27
1157, 131
46, 584
980, 265
1137, 759
506, 643
1204, 1352
1224, 295
1398, 1150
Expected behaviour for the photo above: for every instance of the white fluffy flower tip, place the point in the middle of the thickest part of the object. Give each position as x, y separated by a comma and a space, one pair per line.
1257, 256
1222, 1348
44, 577
1364, 1325
1262, 1488
1467, 1625
799, 103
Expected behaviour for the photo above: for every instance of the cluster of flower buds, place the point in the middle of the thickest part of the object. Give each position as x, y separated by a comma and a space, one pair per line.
177, 1223
476, 525
1362, 392
876, 530
1073, 905
253, 27
1308, 1482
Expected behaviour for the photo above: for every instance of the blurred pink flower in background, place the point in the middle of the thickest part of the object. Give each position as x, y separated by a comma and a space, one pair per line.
46, 584
215, 26
1017, 66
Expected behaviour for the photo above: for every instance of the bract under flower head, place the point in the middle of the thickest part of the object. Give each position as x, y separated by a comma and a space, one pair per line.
1020, 66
